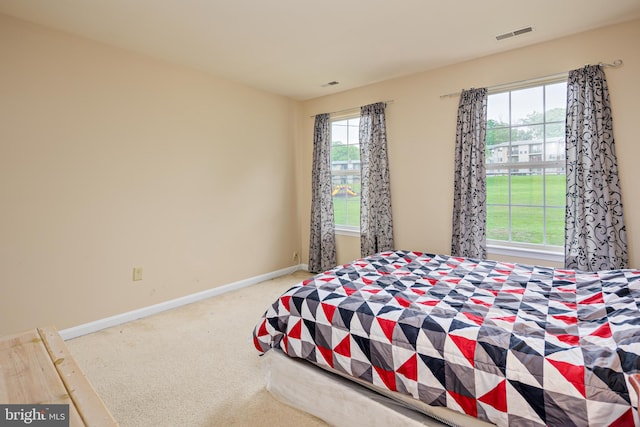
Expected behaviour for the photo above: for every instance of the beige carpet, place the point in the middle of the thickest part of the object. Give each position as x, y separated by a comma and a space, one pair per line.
191, 366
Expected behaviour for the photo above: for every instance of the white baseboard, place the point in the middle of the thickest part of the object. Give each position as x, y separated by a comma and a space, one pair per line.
119, 319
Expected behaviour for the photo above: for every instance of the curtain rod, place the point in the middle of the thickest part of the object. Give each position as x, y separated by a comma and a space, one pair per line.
615, 64
352, 108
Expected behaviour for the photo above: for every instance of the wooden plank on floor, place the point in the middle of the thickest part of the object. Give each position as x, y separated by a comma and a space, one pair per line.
28, 377
88, 403
25, 377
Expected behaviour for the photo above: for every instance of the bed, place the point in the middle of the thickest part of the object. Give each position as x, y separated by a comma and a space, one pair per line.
492, 342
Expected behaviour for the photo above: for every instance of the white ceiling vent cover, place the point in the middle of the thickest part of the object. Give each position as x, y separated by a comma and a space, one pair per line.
514, 33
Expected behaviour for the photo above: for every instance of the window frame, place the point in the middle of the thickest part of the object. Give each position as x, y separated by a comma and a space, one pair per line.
544, 251
343, 229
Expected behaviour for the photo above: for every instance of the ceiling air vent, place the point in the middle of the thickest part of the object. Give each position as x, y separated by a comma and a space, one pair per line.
514, 33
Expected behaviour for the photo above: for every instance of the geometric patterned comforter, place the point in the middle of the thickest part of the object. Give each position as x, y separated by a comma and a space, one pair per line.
507, 343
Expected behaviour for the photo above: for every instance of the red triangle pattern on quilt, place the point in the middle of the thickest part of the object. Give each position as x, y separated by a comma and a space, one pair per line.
387, 327
327, 354
595, 299
286, 302
574, 374
468, 404
344, 347
497, 397
625, 420
410, 368
296, 331
467, 347
328, 310
603, 331
387, 377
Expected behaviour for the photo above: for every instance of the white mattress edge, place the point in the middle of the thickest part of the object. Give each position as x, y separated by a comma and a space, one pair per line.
344, 402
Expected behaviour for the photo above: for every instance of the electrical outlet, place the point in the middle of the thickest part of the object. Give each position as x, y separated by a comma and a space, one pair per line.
137, 273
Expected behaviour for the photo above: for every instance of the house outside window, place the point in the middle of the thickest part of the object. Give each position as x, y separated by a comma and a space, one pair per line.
525, 167
345, 173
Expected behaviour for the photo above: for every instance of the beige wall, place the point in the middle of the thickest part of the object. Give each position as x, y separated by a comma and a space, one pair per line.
421, 132
110, 160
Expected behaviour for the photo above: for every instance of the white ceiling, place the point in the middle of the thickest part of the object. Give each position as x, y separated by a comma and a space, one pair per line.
294, 47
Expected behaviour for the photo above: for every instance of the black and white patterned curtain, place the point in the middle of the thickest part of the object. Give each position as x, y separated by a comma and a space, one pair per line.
322, 246
469, 199
376, 224
595, 236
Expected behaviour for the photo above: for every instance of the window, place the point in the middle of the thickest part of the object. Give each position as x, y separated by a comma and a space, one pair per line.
345, 173
525, 164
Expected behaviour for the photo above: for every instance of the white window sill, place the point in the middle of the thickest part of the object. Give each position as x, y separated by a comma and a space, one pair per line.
543, 255
531, 253
352, 232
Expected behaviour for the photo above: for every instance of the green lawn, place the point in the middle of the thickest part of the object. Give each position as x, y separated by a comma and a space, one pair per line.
347, 210
527, 223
